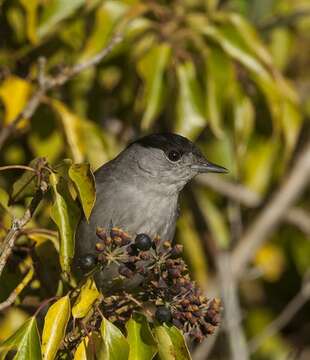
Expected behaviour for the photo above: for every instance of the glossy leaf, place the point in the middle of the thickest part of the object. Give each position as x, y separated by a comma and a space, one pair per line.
190, 110
171, 343
55, 325
84, 180
115, 345
65, 213
142, 345
56, 11
151, 68
87, 296
14, 104
25, 341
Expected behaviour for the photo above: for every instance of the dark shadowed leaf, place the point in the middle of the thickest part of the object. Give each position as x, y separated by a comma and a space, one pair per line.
115, 345
55, 325
25, 341
66, 214
171, 343
84, 181
142, 345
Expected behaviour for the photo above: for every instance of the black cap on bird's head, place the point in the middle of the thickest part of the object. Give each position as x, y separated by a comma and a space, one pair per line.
176, 148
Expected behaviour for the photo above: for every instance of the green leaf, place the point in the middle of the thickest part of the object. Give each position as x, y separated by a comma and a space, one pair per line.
87, 296
31, 8
142, 345
84, 180
115, 345
171, 343
54, 12
25, 340
215, 219
190, 110
55, 325
26, 185
66, 214
151, 68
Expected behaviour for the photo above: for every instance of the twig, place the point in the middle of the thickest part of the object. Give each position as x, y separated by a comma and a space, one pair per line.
46, 84
284, 318
20, 287
284, 20
270, 216
232, 311
13, 167
17, 225
251, 199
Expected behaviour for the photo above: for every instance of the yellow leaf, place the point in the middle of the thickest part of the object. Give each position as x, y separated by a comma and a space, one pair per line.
55, 324
88, 295
31, 8
271, 261
81, 351
14, 93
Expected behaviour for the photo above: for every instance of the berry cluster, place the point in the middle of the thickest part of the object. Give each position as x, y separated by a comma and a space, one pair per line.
152, 278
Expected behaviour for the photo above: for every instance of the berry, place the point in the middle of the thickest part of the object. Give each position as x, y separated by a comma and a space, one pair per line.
163, 314
87, 262
143, 242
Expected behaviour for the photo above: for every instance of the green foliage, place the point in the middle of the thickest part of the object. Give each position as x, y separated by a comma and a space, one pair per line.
227, 74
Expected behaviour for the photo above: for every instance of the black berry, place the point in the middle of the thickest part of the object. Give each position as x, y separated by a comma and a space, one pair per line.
143, 242
87, 262
163, 314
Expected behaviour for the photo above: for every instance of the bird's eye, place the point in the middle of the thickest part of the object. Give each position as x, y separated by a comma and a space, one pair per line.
174, 155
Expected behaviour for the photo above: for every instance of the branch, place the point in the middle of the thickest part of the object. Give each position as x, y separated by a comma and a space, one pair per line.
284, 318
284, 20
251, 199
232, 311
270, 216
46, 84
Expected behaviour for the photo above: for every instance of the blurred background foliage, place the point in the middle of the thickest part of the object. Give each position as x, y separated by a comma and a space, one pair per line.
232, 75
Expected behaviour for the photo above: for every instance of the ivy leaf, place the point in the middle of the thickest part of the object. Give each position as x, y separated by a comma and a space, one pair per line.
115, 345
55, 325
142, 345
66, 214
84, 181
190, 110
151, 68
25, 340
88, 295
171, 343
31, 8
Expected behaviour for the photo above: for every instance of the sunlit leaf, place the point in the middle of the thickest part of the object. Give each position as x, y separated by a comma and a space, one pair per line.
55, 325
54, 12
82, 353
31, 7
151, 68
115, 345
88, 295
14, 93
25, 341
193, 249
142, 345
171, 343
190, 110
65, 213
84, 180
215, 219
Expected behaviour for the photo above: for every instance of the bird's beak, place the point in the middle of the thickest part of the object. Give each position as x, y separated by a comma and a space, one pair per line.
207, 166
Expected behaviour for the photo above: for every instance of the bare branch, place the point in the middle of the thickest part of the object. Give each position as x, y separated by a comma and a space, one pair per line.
273, 212
284, 318
232, 311
46, 84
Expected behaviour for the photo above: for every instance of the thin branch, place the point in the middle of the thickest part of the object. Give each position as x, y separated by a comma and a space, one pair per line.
251, 199
46, 84
271, 215
20, 287
284, 318
284, 20
232, 311
14, 167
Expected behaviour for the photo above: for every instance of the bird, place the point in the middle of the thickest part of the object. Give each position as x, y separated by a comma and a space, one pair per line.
138, 191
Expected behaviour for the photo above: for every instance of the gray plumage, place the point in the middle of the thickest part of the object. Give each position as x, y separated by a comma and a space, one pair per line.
138, 191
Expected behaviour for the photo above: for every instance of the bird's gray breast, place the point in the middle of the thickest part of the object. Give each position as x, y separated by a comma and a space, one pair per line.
133, 206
